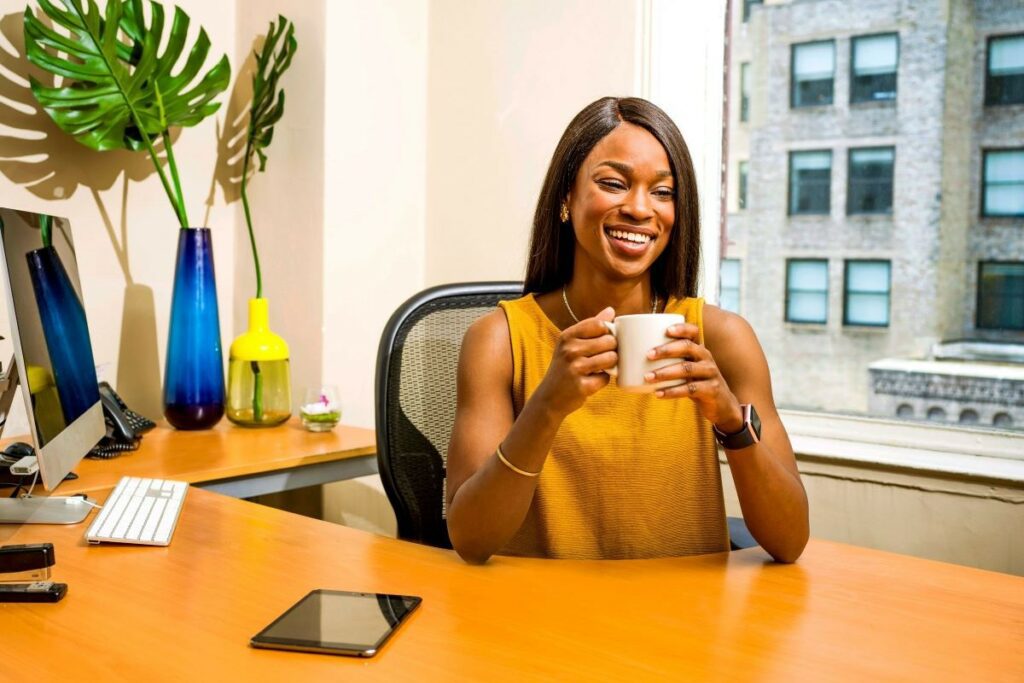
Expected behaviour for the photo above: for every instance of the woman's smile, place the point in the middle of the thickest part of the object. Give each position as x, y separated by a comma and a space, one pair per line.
630, 241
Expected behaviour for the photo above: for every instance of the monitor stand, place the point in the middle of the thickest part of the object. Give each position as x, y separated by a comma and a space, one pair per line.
56, 510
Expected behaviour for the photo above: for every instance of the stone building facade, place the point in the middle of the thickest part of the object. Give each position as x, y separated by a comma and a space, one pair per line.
934, 237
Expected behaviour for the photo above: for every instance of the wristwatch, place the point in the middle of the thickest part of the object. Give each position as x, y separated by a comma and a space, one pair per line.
748, 435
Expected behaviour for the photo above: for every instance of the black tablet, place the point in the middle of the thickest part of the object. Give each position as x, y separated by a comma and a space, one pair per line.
338, 623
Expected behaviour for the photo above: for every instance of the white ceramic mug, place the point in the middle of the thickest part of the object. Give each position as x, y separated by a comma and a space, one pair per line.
636, 335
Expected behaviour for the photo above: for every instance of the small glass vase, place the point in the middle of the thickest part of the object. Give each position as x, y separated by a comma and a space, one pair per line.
259, 387
194, 374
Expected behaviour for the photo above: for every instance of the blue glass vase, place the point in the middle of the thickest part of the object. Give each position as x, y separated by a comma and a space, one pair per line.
194, 377
65, 332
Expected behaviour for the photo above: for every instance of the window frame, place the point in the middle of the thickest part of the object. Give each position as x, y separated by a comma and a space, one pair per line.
846, 293
789, 183
792, 74
747, 6
977, 297
739, 283
988, 102
785, 306
849, 177
743, 184
983, 203
853, 73
744, 92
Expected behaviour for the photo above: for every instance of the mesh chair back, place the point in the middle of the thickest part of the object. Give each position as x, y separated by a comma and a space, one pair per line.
417, 364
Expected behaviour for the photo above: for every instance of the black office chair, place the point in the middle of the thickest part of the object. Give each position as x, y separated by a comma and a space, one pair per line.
415, 388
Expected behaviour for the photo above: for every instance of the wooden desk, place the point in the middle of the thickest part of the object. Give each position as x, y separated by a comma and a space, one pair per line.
187, 612
236, 461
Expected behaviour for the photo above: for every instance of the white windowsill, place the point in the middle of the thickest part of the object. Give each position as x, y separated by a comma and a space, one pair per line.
936, 449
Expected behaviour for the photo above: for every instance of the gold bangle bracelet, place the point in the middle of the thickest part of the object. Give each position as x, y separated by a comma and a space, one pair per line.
506, 463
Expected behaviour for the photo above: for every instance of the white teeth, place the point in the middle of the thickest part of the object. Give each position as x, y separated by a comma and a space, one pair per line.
630, 236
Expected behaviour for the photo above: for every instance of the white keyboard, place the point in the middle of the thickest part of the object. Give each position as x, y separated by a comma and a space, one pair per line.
139, 511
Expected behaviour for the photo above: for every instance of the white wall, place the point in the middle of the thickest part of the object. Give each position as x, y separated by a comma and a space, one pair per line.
505, 79
375, 193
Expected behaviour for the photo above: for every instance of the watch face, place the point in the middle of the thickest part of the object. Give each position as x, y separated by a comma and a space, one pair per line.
755, 422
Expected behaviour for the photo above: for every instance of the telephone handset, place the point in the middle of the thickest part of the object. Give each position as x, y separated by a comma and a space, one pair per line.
124, 426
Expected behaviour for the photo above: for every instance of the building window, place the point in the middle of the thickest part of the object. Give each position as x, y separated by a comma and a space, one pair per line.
806, 291
810, 179
874, 61
747, 4
729, 285
743, 171
1000, 295
969, 417
867, 293
813, 67
1004, 79
1003, 183
869, 179
745, 91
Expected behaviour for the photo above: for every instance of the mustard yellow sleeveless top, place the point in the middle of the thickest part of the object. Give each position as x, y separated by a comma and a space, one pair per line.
628, 475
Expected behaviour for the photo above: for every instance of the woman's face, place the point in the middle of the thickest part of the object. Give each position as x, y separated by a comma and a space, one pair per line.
622, 203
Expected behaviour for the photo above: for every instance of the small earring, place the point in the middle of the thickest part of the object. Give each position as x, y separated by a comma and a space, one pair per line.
564, 213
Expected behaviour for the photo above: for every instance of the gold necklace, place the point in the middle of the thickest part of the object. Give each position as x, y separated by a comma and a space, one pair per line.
565, 300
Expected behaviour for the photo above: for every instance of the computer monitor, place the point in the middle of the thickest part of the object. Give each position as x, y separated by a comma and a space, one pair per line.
53, 359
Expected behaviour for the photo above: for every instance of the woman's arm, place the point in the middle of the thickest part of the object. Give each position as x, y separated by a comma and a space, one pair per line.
487, 500
728, 370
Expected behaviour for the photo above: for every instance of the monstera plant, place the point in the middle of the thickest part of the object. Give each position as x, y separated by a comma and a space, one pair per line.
259, 387
119, 89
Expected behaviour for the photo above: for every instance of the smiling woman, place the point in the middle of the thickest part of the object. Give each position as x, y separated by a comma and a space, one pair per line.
549, 457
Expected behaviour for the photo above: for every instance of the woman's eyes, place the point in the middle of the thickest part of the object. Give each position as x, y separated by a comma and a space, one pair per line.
612, 183
618, 185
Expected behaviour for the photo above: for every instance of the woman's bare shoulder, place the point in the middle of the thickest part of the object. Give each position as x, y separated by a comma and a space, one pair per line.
726, 329
486, 342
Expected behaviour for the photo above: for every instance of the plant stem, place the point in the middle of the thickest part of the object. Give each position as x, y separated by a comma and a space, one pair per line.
174, 176
45, 226
257, 391
163, 178
248, 220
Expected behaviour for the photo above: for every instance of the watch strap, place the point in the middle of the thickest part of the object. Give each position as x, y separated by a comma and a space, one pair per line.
748, 435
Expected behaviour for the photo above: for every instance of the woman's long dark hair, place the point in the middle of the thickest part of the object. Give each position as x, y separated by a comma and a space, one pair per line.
552, 244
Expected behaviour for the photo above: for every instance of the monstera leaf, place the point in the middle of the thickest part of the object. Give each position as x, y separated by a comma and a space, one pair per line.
119, 89
267, 101
272, 60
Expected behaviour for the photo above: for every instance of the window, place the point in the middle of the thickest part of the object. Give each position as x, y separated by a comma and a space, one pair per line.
743, 171
869, 179
813, 67
747, 4
729, 285
806, 290
1000, 295
1003, 183
874, 61
1004, 79
810, 179
745, 91
867, 293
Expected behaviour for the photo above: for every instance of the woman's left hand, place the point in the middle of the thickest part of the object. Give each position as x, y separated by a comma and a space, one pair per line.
702, 381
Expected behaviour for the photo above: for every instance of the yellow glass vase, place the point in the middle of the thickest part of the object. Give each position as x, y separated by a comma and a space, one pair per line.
259, 386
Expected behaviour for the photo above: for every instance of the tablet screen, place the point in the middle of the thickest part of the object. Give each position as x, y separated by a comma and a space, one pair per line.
338, 621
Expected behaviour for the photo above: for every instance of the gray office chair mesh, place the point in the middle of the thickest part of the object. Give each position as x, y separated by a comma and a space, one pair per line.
415, 394
417, 363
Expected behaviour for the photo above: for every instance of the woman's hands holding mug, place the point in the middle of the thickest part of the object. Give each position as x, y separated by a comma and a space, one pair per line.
577, 371
702, 380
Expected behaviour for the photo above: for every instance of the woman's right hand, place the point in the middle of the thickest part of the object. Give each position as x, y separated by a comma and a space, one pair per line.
577, 371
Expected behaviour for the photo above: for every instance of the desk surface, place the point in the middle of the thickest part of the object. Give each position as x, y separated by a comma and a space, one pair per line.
224, 452
187, 612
